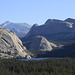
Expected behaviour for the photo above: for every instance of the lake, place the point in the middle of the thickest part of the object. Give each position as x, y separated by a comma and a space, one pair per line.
39, 59
34, 59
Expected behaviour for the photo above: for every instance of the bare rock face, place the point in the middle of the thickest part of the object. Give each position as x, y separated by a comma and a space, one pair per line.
10, 45
41, 44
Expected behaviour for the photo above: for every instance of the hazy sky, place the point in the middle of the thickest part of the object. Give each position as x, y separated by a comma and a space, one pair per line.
36, 11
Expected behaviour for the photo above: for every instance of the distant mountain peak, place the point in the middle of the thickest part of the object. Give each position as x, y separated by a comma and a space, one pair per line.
70, 20
35, 25
21, 29
7, 22
49, 21
53, 29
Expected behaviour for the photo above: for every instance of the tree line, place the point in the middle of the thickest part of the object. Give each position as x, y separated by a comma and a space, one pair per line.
65, 66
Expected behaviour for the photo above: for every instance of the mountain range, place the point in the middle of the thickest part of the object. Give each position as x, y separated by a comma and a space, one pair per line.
21, 29
55, 38
53, 29
57, 32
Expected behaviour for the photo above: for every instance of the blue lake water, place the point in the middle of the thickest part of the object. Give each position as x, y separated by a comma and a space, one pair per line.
39, 59
34, 59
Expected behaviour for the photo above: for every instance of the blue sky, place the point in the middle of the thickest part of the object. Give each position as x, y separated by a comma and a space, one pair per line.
36, 11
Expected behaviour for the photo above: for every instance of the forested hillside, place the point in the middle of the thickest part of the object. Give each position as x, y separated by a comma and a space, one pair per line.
64, 66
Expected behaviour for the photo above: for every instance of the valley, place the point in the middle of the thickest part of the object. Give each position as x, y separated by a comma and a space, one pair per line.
37, 37
47, 49
57, 35
55, 38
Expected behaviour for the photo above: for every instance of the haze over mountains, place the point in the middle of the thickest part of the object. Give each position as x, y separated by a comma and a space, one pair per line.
53, 29
21, 29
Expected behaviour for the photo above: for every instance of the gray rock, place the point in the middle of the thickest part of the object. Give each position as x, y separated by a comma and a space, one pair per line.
10, 45
41, 44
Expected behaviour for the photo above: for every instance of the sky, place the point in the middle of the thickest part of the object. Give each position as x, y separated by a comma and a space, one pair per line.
35, 11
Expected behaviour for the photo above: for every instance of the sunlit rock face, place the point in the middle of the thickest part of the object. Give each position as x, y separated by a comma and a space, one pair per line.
11, 46
40, 43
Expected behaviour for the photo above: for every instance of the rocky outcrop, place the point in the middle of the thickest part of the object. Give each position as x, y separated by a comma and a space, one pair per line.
53, 29
41, 44
11, 46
